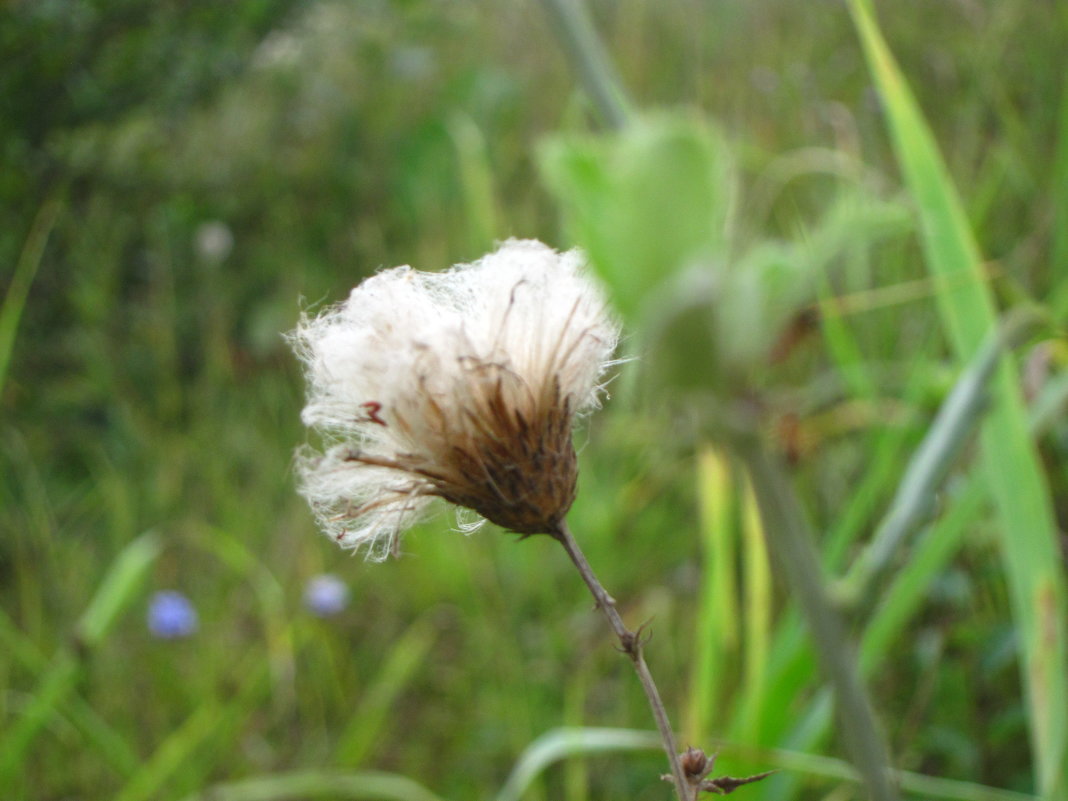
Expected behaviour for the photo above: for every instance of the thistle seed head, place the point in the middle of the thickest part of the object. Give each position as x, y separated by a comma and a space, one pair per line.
462, 385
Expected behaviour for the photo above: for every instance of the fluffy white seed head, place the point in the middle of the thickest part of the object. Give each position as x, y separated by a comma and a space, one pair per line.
460, 385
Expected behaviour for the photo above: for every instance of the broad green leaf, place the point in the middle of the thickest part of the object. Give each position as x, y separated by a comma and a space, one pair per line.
644, 202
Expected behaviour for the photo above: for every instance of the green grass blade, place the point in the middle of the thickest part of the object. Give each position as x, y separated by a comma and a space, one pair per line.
904, 597
566, 742
888, 448
915, 784
16, 644
908, 591
51, 691
758, 615
562, 743
176, 755
1059, 184
476, 180
99, 733
788, 671
171, 755
372, 714
19, 288
113, 596
716, 632
1051, 404
915, 500
849, 362
118, 588
278, 630
1029, 535
902, 600
319, 784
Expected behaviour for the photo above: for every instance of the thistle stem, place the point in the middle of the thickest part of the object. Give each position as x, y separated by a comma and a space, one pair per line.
630, 643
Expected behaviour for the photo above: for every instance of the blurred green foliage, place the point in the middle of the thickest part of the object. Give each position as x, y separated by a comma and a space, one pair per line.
218, 167
645, 204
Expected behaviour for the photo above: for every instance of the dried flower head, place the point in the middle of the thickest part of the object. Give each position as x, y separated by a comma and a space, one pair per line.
461, 385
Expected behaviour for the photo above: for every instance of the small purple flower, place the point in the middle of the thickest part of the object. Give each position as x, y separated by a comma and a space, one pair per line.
171, 616
326, 595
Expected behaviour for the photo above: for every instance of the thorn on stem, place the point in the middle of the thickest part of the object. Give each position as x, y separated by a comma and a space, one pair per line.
630, 643
644, 634
696, 767
724, 785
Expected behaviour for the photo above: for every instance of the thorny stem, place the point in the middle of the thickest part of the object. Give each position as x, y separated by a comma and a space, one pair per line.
630, 643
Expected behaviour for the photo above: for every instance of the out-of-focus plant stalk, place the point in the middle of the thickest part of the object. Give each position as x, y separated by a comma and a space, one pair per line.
957, 419
790, 543
589, 60
19, 287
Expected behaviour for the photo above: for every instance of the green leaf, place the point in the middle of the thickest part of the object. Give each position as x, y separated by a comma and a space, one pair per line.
644, 202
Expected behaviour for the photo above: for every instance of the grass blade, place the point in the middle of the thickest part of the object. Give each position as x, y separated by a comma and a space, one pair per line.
1059, 302
918, 784
315, 784
99, 733
758, 615
716, 633
51, 691
118, 588
176, 753
113, 596
476, 180
25, 270
398, 669
561, 743
905, 596
1029, 535
915, 500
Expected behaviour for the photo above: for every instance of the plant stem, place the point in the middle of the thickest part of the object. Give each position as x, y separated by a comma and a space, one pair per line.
630, 643
790, 543
590, 61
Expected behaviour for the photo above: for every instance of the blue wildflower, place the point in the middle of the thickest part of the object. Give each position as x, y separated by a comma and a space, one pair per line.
171, 615
326, 595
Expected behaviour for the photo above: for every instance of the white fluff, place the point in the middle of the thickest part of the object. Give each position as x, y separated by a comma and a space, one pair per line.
398, 373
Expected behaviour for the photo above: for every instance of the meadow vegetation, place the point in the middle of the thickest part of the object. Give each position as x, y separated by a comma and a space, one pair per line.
179, 180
